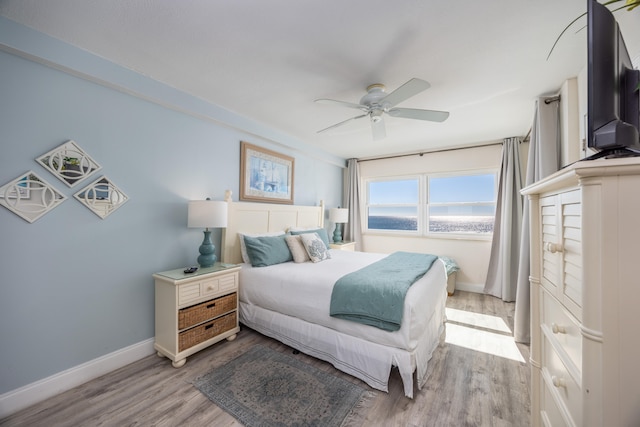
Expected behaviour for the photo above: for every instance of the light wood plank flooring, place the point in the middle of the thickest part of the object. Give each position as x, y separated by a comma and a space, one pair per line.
466, 387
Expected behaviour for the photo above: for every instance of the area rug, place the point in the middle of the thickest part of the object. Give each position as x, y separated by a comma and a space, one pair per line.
263, 387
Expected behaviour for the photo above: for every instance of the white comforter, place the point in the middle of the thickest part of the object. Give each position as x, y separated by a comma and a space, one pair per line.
304, 291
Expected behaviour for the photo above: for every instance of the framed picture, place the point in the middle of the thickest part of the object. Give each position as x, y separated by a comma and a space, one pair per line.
265, 176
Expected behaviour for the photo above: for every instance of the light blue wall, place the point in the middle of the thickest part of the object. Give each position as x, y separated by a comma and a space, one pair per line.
75, 287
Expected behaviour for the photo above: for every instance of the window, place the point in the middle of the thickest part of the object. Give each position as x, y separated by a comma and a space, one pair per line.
433, 204
462, 203
393, 205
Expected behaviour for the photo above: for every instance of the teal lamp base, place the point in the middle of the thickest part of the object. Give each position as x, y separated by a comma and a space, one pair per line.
207, 251
337, 234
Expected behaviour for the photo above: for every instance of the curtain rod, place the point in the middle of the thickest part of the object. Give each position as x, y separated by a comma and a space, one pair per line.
552, 99
428, 152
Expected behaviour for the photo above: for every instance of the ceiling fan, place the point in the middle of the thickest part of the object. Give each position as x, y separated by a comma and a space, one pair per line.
377, 102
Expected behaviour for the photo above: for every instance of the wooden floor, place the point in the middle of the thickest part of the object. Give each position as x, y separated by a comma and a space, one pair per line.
466, 387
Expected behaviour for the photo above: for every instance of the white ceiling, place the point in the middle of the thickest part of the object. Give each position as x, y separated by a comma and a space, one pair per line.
268, 60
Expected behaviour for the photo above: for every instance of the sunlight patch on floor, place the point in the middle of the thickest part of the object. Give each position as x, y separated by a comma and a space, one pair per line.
465, 333
476, 319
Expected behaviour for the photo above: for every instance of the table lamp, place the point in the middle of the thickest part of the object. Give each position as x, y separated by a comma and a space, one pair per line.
207, 214
338, 216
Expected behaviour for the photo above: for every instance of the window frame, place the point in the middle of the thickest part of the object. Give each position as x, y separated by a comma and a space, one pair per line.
424, 206
419, 205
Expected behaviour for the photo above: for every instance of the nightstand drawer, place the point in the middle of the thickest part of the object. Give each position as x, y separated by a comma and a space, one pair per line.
188, 293
209, 287
202, 333
193, 315
228, 283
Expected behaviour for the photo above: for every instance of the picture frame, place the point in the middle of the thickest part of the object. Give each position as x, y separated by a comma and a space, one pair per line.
265, 175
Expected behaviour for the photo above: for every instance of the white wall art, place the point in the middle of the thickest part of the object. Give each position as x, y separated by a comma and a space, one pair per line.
69, 163
30, 196
102, 197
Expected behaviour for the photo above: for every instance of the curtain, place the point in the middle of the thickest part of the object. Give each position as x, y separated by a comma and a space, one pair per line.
352, 230
544, 159
505, 247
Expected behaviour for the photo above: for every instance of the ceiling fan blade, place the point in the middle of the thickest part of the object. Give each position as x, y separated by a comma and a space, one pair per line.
406, 91
343, 122
414, 113
342, 103
378, 129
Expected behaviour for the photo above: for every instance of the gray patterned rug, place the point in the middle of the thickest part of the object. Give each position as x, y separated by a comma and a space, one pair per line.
263, 387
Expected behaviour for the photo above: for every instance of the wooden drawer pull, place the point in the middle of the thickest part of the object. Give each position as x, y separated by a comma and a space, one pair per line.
556, 329
553, 247
558, 382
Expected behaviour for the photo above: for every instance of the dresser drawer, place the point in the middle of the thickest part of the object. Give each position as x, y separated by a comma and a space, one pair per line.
562, 330
550, 413
560, 383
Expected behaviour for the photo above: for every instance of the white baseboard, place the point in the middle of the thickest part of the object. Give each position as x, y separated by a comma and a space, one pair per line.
23, 397
478, 288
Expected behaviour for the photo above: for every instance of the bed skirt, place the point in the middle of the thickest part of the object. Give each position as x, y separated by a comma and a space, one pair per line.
360, 358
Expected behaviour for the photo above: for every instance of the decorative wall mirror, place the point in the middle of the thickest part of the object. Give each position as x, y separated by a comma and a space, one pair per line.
69, 163
102, 197
30, 196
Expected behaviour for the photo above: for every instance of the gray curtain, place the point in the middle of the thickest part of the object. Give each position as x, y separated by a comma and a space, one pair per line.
352, 230
505, 247
544, 159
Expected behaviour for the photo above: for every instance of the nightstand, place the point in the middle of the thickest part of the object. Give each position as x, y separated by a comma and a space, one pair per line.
194, 311
343, 246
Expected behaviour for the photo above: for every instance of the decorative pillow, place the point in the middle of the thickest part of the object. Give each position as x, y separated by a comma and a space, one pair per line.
297, 249
243, 248
267, 250
315, 247
320, 231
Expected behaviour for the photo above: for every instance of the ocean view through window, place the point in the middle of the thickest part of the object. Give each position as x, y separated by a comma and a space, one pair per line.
462, 203
393, 205
433, 204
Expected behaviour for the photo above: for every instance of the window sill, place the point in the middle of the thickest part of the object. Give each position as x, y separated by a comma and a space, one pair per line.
443, 236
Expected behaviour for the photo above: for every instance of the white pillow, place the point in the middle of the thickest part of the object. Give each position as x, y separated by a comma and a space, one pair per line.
315, 247
297, 248
243, 248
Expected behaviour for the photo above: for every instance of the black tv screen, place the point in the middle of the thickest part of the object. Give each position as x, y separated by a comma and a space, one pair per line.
613, 115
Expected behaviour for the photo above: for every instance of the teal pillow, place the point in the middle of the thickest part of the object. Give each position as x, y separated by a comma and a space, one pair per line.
267, 250
321, 232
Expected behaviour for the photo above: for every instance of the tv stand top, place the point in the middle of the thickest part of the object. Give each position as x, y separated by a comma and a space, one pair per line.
613, 153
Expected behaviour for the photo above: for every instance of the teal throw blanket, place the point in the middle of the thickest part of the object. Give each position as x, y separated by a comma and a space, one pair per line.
374, 295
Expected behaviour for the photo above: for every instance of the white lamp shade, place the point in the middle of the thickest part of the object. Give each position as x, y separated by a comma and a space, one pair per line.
207, 214
339, 215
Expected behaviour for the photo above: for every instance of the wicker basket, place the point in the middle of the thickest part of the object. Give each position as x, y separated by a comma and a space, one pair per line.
201, 333
195, 314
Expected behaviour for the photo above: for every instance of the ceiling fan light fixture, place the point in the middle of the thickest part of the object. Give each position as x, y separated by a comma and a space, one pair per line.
377, 102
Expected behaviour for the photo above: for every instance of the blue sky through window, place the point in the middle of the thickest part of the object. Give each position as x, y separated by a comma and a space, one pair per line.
393, 192
463, 188
443, 190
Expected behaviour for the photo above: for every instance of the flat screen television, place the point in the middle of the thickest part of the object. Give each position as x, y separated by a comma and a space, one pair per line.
613, 111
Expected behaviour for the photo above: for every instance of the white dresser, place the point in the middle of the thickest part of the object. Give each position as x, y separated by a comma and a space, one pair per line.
585, 295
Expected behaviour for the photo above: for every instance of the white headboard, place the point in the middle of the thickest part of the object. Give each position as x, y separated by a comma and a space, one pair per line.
254, 218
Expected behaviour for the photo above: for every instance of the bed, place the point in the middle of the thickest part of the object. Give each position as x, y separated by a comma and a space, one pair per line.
290, 302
